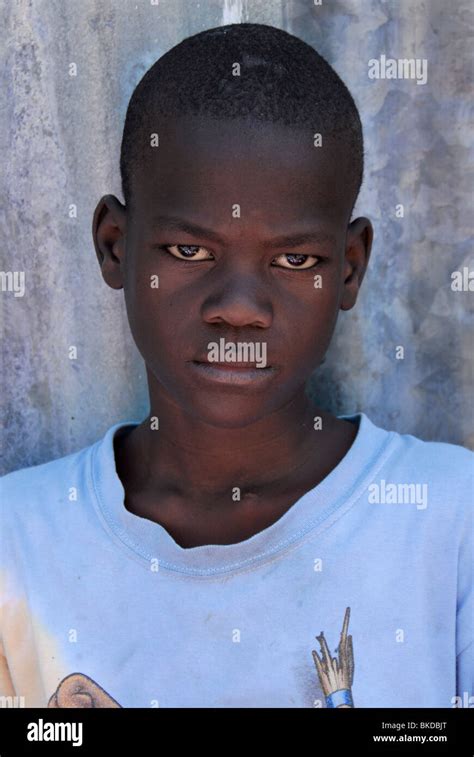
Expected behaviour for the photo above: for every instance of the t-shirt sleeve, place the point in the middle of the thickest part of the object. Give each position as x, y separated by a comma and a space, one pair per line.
6, 684
465, 673
465, 614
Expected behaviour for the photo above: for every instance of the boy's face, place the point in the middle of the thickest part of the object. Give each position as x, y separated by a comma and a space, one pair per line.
246, 188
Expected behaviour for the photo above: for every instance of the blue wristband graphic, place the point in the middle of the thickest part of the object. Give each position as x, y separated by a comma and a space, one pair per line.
341, 696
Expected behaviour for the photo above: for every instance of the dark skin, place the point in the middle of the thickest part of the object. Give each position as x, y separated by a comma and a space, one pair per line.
241, 286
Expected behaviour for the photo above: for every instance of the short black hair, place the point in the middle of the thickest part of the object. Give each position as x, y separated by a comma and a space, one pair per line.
282, 80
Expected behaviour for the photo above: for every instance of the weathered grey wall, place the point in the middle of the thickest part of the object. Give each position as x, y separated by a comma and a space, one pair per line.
60, 138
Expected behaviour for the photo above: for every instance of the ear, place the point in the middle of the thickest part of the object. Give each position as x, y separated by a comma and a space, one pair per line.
108, 233
358, 246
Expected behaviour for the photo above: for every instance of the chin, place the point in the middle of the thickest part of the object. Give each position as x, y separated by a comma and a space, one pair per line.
227, 412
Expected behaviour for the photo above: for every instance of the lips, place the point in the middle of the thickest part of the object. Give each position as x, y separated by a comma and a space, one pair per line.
232, 375
231, 365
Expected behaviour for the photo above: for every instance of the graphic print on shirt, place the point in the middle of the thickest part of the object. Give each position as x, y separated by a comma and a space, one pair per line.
78, 690
336, 674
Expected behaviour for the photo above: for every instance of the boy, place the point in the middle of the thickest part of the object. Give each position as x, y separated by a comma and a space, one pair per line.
239, 547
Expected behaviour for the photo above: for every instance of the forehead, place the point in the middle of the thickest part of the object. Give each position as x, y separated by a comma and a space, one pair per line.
206, 167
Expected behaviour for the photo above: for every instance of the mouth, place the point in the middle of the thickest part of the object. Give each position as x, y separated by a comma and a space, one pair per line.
235, 374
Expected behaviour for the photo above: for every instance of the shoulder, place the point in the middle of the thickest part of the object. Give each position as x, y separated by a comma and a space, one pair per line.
408, 455
32, 496
437, 461
26, 492
436, 476
25, 479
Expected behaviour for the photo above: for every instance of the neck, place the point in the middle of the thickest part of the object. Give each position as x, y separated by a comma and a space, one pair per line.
187, 456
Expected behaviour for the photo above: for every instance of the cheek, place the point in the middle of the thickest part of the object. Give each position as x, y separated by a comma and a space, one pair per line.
142, 300
163, 326
311, 324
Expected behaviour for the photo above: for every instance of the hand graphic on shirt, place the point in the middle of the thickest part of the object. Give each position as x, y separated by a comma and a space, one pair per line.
336, 674
78, 690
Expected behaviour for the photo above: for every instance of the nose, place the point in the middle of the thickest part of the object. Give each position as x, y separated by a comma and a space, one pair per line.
239, 300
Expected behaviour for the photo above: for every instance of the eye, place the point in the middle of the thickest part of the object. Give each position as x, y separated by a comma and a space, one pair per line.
295, 262
188, 251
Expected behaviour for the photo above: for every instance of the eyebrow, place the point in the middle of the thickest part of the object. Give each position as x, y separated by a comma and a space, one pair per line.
285, 240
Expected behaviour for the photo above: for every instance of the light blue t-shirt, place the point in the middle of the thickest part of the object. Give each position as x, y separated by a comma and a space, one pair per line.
101, 607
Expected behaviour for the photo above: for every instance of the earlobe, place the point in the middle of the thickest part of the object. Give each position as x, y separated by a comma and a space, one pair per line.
108, 233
